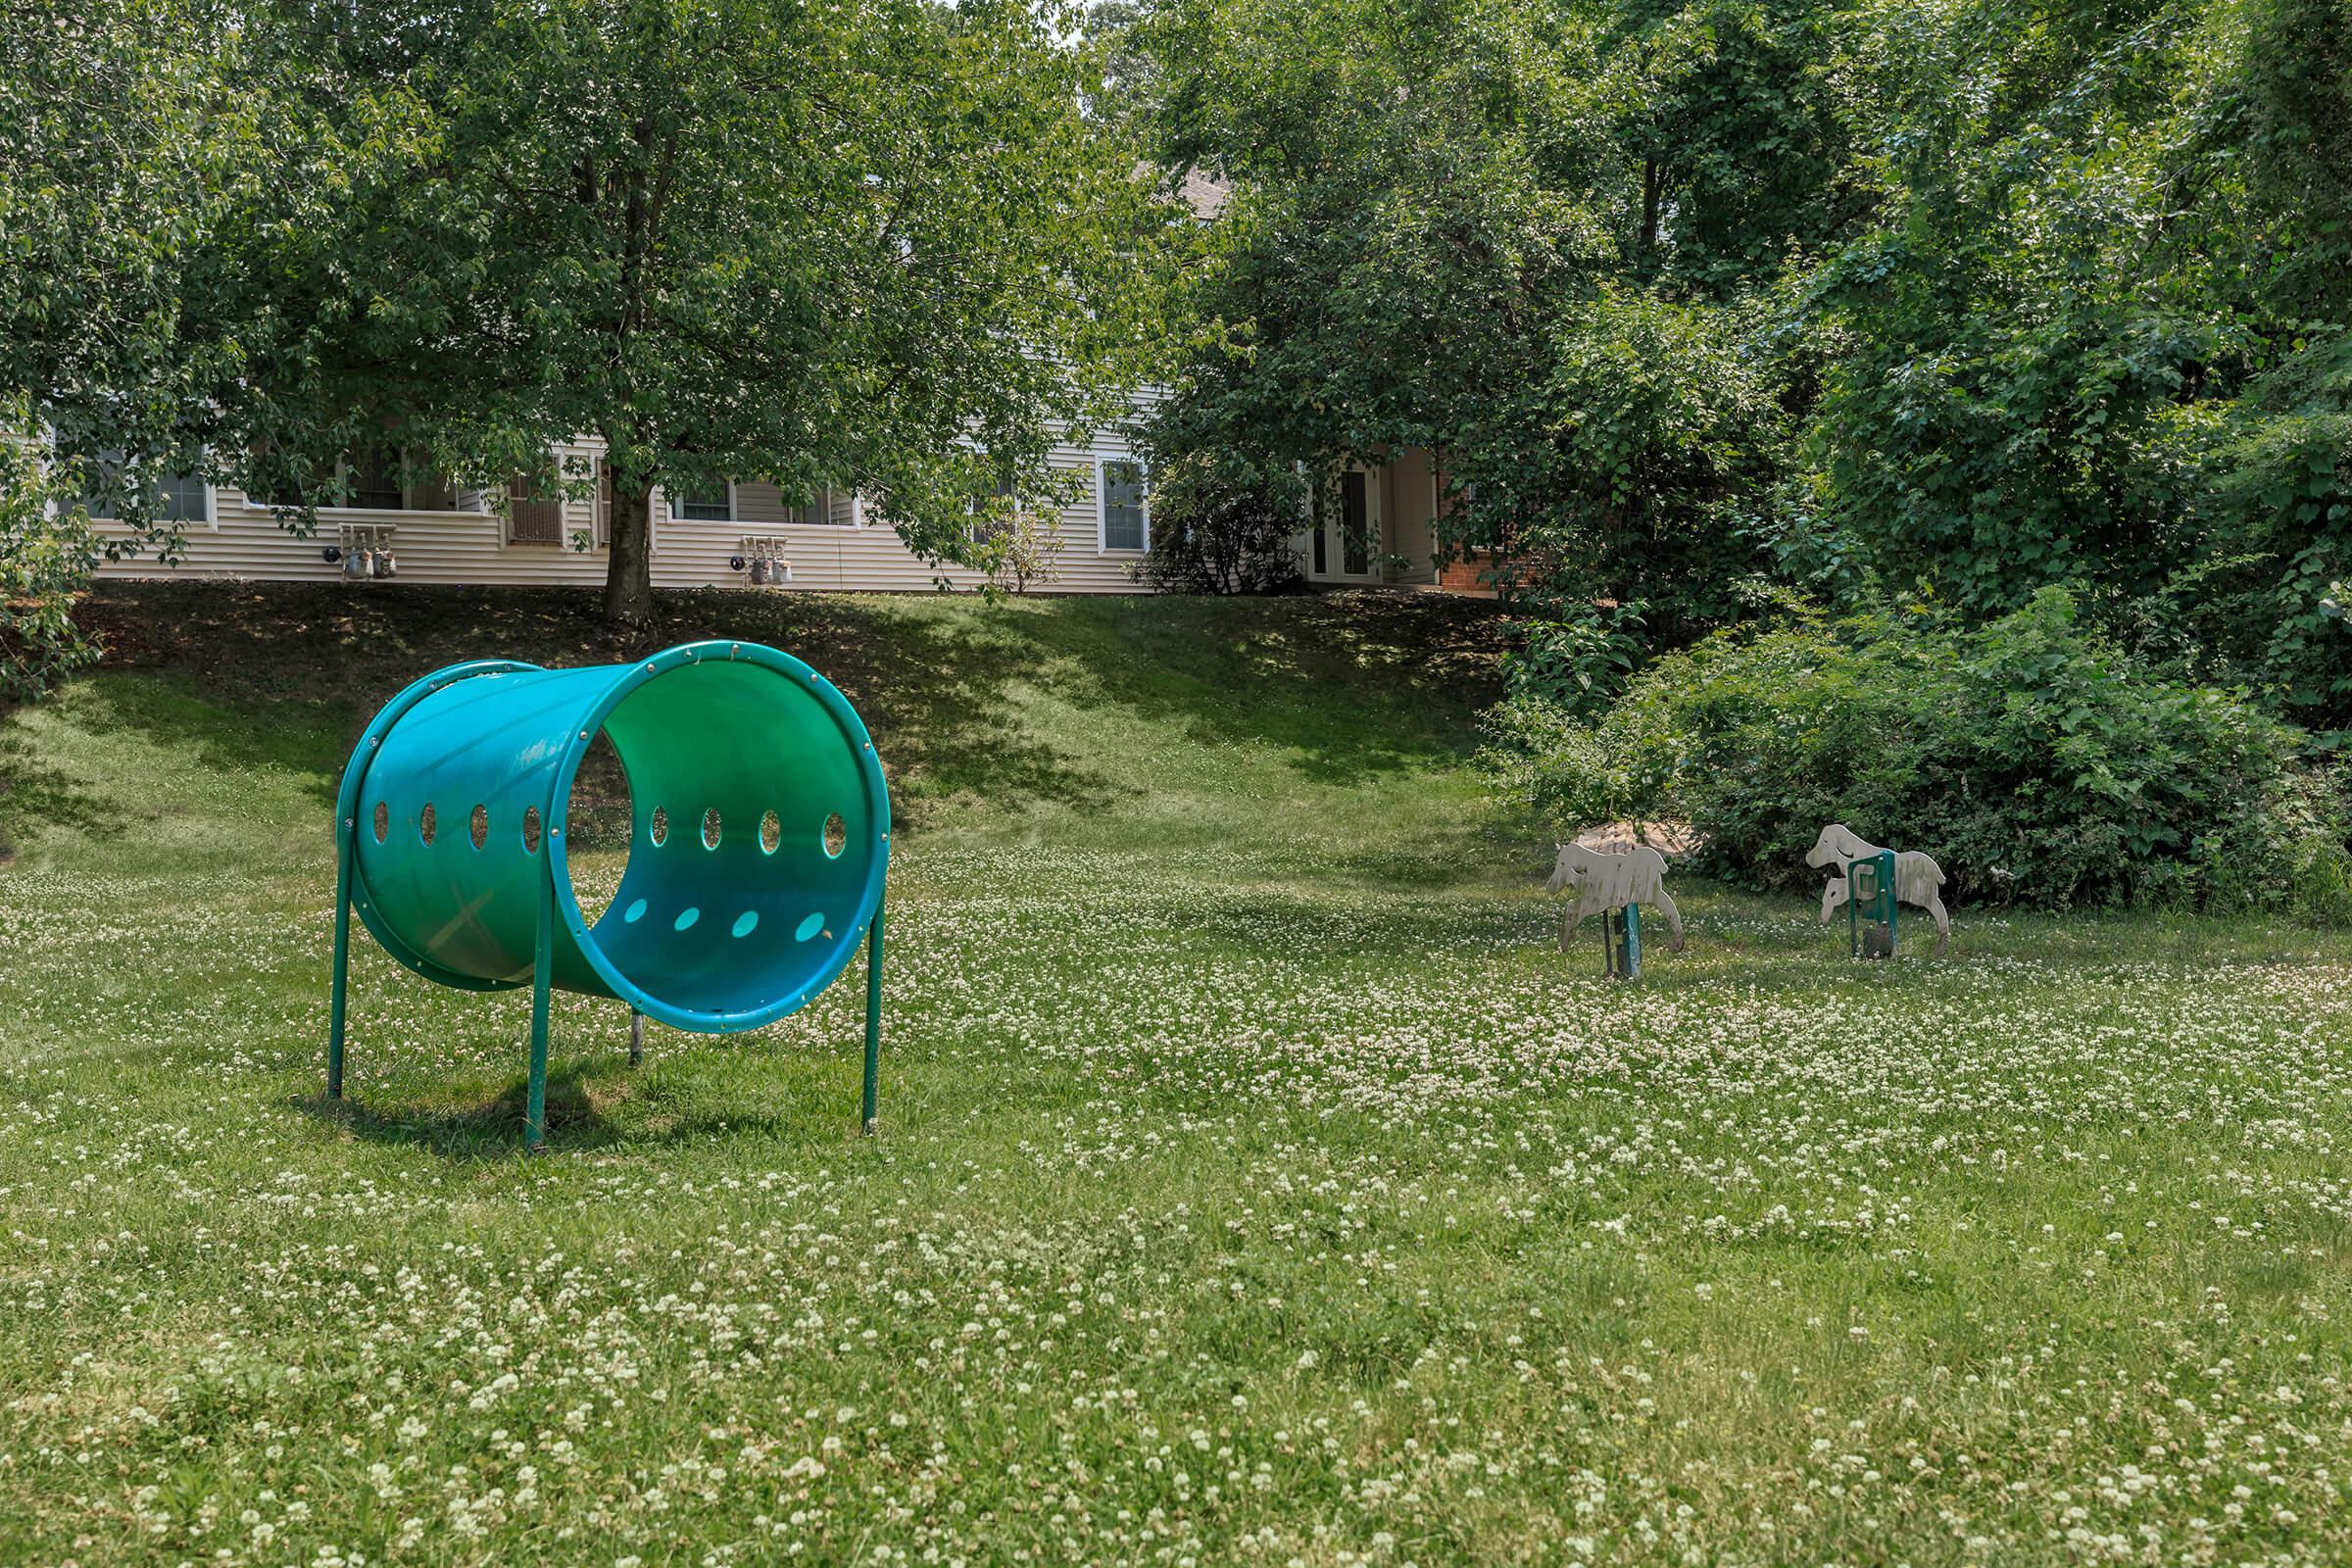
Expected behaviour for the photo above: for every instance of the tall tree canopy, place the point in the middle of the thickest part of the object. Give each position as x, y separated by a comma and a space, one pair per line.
1701, 300
869, 243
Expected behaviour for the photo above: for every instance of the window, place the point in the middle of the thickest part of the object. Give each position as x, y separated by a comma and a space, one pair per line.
1126, 516
820, 512
533, 519
174, 497
703, 504
990, 519
1356, 523
182, 499
372, 480
385, 480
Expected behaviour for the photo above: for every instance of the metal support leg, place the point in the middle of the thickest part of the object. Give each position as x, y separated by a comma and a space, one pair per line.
636, 1037
534, 1114
873, 1021
342, 976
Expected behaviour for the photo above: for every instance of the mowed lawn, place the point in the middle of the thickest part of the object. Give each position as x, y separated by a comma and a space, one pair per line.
1257, 1182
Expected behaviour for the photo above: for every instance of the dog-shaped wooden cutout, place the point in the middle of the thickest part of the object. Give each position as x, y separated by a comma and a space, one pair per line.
1605, 882
1916, 877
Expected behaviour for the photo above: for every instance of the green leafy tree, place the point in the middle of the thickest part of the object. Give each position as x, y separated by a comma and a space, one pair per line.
874, 245
871, 245
1527, 238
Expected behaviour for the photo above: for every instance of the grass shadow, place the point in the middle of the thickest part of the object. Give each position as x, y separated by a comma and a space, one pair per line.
489, 1129
582, 1102
1355, 684
34, 795
289, 673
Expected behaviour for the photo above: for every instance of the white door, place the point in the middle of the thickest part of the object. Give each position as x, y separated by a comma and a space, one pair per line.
1347, 545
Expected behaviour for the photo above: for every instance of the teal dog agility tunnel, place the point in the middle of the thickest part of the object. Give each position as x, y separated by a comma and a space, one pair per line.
758, 842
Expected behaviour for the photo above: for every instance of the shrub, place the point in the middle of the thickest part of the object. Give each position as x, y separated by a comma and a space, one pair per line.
2028, 755
1025, 550
47, 553
1224, 526
1578, 661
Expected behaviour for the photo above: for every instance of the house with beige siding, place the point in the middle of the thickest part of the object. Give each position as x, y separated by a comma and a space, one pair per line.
825, 541
1376, 527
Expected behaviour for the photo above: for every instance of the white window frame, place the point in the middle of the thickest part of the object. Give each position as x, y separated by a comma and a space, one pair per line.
1143, 477
824, 507
481, 507
672, 501
210, 523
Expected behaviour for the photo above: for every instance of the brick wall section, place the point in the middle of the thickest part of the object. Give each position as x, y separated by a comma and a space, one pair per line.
1468, 575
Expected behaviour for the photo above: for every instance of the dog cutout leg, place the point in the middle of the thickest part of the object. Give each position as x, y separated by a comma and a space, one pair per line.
1943, 922
1674, 917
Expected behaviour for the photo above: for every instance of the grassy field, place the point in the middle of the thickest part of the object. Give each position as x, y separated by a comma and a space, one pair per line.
1258, 1184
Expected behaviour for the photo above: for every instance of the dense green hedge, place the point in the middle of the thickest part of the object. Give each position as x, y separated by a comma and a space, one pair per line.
2031, 758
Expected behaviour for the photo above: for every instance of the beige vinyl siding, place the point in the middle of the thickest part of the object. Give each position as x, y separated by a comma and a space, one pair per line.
245, 540
1411, 505
851, 552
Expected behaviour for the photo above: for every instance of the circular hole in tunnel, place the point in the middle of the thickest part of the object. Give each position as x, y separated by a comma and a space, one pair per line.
478, 825
530, 831
424, 824
707, 747
384, 821
598, 821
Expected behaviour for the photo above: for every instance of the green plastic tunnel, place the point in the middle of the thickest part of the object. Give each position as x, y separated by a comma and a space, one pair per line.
759, 832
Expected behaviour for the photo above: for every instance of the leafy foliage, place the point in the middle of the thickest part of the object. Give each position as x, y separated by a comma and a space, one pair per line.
2034, 758
46, 556
1579, 661
1691, 299
1222, 526
854, 245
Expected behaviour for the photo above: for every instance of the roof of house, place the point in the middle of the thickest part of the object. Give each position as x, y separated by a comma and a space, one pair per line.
1204, 194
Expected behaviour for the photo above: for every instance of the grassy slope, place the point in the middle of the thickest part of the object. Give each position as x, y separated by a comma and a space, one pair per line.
1258, 1178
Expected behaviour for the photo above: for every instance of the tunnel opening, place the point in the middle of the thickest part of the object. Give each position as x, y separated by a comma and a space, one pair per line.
706, 908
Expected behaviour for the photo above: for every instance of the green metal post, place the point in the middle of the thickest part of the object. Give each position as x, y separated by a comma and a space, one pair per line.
873, 1020
534, 1114
1888, 893
1853, 910
347, 851
1877, 875
1632, 941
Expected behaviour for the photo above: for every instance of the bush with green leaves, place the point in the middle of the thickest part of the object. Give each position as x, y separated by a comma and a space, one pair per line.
47, 553
1581, 659
2030, 757
1223, 525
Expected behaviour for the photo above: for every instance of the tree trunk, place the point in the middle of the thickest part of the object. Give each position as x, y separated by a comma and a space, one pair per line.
1653, 189
629, 568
